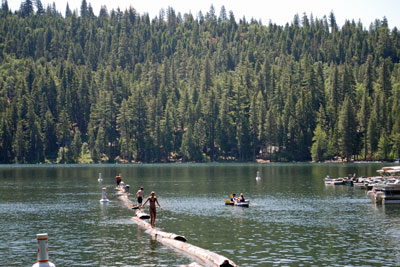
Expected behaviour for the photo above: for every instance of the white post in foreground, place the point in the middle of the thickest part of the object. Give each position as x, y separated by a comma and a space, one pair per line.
42, 253
104, 195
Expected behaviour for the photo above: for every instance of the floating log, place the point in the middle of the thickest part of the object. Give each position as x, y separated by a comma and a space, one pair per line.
128, 203
178, 242
157, 232
193, 264
206, 257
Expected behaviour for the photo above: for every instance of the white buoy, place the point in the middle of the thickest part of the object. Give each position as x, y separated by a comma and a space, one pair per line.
258, 177
104, 195
100, 179
42, 252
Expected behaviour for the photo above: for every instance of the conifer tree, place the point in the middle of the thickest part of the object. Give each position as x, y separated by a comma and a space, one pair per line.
76, 146
346, 129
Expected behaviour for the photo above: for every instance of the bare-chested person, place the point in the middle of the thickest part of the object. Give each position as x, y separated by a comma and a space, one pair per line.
140, 196
118, 179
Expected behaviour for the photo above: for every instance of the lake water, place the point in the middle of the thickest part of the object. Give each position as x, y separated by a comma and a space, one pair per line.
293, 220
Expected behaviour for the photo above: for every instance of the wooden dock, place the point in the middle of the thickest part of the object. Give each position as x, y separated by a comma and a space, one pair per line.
178, 242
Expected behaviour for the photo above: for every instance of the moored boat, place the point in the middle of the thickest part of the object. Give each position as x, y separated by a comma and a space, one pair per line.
386, 192
387, 175
349, 180
338, 181
333, 181
328, 180
360, 185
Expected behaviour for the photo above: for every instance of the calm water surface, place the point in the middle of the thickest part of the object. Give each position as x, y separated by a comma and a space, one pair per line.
294, 219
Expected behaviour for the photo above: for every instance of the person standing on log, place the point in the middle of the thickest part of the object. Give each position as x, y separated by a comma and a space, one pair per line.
118, 179
140, 196
152, 199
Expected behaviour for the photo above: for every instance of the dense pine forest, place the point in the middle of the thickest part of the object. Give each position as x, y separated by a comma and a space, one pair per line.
124, 87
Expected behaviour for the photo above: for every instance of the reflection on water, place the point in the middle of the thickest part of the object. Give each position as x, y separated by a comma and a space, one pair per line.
294, 219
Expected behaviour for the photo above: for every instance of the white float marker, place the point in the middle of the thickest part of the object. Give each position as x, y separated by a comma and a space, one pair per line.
104, 195
42, 252
100, 179
258, 176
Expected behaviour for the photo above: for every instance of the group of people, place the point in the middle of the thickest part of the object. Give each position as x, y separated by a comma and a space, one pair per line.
241, 198
152, 199
121, 184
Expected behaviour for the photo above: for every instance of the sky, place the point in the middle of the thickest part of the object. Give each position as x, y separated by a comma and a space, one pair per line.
276, 11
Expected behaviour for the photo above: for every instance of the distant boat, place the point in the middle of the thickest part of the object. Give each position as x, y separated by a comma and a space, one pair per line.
242, 204
246, 203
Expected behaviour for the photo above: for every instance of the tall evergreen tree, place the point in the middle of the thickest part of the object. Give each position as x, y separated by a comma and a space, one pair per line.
26, 8
373, 131
347, 129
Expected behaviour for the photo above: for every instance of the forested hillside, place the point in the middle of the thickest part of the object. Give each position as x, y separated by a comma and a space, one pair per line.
122, 86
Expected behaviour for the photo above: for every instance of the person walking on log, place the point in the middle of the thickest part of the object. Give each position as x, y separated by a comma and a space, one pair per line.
118, 179
140, 196
152, 199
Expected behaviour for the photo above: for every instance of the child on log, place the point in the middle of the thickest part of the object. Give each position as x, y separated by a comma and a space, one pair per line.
152, 199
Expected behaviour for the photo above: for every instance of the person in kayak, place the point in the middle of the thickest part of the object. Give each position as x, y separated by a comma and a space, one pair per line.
152, 199
233, 198
242, 199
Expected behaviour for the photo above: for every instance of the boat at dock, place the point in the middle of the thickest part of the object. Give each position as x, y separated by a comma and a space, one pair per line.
385, 189
361, 185
386, 174
387, 192
333, 181
349, 180
391, 171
